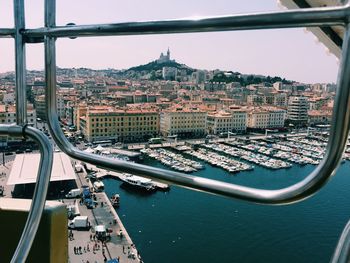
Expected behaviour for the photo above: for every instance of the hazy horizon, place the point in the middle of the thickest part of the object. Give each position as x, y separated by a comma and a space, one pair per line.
288, 53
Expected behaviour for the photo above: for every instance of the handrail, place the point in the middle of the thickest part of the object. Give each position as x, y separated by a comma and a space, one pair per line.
310, 17
325, 16
7, 32
342, 251
40, 191
312, 183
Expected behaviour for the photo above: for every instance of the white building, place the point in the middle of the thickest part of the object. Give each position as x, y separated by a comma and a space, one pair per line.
278, 85
266, 117
169, 73
184, 122
297, 110
234, 120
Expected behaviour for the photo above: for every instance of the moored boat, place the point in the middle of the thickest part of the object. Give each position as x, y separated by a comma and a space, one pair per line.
139, 182
115, 200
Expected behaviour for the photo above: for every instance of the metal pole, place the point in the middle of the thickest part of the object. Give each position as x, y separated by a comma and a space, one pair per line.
39, 197
21, 100
7, 32
308, 17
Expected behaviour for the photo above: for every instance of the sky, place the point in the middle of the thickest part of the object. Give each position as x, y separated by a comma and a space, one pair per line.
294, 54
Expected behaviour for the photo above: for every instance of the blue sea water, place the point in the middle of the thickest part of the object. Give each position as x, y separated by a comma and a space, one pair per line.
187, 226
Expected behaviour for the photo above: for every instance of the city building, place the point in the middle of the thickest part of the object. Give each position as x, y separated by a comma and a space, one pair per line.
169, 73
40, 107
234, 120
265, 117
297, 110
125, 125
319, 117
186, 122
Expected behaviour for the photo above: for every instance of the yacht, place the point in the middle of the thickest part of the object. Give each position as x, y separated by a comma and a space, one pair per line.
139, 182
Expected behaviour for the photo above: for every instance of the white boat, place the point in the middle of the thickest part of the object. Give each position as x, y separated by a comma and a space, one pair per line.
115, 200
99, 186
139, 182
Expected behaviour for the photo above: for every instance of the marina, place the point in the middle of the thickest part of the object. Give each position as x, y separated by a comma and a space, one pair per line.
221, 161
172, 160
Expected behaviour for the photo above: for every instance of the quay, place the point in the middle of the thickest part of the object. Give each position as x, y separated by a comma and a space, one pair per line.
100, 173
119, 176
119, 247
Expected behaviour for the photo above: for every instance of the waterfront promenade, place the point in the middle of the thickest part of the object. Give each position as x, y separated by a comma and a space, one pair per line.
118, 247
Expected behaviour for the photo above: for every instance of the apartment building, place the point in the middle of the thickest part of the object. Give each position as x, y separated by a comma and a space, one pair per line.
266, 117
186, 122
125, 125
234, 120
297, 110
8, 114
319, 117
40, 106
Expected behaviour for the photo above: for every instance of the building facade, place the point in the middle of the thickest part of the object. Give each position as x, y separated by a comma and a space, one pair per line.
223, 122
184, 122
297, 110
266, 117
119, 125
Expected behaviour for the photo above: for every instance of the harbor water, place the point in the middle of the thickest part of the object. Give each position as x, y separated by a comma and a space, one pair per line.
188, 226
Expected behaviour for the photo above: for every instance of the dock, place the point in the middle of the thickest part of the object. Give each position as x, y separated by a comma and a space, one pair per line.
120, 176
118, 247
101, 173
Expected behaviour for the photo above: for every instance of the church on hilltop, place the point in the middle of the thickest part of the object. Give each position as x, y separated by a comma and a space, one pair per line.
164, 58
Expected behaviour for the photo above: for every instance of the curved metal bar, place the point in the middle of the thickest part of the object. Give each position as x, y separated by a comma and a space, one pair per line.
41, 186
312, 183
342, 251
309, 17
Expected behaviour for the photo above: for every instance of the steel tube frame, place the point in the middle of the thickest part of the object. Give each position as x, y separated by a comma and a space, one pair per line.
299, 191
40, 192
311, 17
341, 253
7, 32
20, 57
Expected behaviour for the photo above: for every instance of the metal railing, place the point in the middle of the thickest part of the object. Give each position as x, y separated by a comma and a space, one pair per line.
311, 17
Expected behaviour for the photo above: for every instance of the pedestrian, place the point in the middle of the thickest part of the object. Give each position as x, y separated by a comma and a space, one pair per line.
80, 250
123, 250
84, 249
91, 237
88, 248
75, 250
